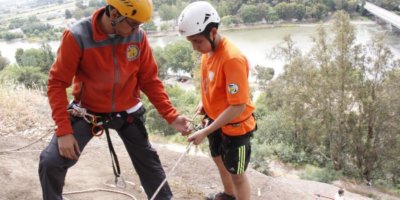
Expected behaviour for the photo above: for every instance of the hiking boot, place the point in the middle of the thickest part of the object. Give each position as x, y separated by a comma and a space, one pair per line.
220, 196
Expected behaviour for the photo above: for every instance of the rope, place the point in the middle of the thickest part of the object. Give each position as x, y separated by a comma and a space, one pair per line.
319, 195
99, 190
23, 147
171, 171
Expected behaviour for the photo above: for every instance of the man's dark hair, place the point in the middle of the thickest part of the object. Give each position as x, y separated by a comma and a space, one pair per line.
108, 10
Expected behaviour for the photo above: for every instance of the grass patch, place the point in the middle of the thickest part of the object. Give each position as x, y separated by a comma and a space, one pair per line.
23, 111
325, 175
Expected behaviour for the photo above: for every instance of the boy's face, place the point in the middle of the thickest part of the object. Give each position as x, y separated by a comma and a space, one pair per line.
200, 43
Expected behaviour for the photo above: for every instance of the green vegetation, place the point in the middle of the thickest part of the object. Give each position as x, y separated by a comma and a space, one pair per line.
235, 12
334, 108
178, 57
326, 175
31, 69
32, 28
187, 101
3, 62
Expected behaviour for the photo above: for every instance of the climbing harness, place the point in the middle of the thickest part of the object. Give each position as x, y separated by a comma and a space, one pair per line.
77, 111
119, 180
99, 126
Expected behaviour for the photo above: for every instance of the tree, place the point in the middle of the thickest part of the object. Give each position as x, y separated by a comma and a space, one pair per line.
68, 14
318, 11
18, 55
96, 3
29, 76
250, 14
161, 62
187, 100
264, 74
286, 51
283, 11
47, 58
271, 15
179, 57
41, 58
150, 26
168, 12
229, 20
340, 103
3, 62
299, 10
10, 35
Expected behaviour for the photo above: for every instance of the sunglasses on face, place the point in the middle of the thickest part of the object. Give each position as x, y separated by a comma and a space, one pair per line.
132, 24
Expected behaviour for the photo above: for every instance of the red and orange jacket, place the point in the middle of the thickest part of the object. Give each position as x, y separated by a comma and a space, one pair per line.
107, 73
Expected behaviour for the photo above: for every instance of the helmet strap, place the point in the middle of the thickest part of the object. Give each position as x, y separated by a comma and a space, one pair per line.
207, 36
115, 21
207, 32
212, 42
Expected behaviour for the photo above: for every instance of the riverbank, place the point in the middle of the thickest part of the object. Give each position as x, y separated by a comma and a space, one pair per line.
359, 20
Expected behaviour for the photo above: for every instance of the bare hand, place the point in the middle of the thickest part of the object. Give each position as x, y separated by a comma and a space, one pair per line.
197, 137
68, 147
199, 109
182, 124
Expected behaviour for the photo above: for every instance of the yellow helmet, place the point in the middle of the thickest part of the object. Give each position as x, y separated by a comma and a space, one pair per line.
138, 10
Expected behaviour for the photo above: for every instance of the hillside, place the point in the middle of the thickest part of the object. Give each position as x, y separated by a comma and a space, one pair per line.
25, 118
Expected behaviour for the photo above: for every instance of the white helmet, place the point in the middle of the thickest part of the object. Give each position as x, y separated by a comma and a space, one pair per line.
195, 18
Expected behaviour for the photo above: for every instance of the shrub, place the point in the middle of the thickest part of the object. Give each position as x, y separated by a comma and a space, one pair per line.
31, 77
326, 175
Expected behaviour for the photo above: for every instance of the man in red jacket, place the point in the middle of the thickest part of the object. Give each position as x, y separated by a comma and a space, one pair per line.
108, 60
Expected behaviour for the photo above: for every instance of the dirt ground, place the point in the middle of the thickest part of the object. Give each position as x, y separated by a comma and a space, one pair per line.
194, 177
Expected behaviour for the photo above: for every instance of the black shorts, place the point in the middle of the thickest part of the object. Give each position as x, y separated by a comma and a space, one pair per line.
235, 151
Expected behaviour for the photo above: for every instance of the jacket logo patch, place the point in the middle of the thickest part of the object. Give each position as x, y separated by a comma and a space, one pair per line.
132, 52
233, 88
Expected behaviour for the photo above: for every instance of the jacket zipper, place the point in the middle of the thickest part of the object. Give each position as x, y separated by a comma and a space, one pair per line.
116, 77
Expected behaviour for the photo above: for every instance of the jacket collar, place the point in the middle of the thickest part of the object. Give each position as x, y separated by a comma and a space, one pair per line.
98, 34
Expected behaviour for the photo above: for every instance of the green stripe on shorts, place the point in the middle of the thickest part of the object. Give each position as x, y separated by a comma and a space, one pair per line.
242, 159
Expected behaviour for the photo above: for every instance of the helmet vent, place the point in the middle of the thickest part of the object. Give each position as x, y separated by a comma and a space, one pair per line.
127, 3
206, 18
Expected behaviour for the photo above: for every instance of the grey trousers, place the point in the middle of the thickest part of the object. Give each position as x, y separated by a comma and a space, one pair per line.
53, 168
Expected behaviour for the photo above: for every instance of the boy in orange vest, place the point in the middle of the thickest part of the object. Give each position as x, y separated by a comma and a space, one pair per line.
225, 98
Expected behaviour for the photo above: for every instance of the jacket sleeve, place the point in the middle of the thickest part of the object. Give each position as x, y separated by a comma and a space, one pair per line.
60, 78
151, 85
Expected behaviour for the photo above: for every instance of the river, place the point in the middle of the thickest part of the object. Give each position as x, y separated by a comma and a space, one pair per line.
254, 43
